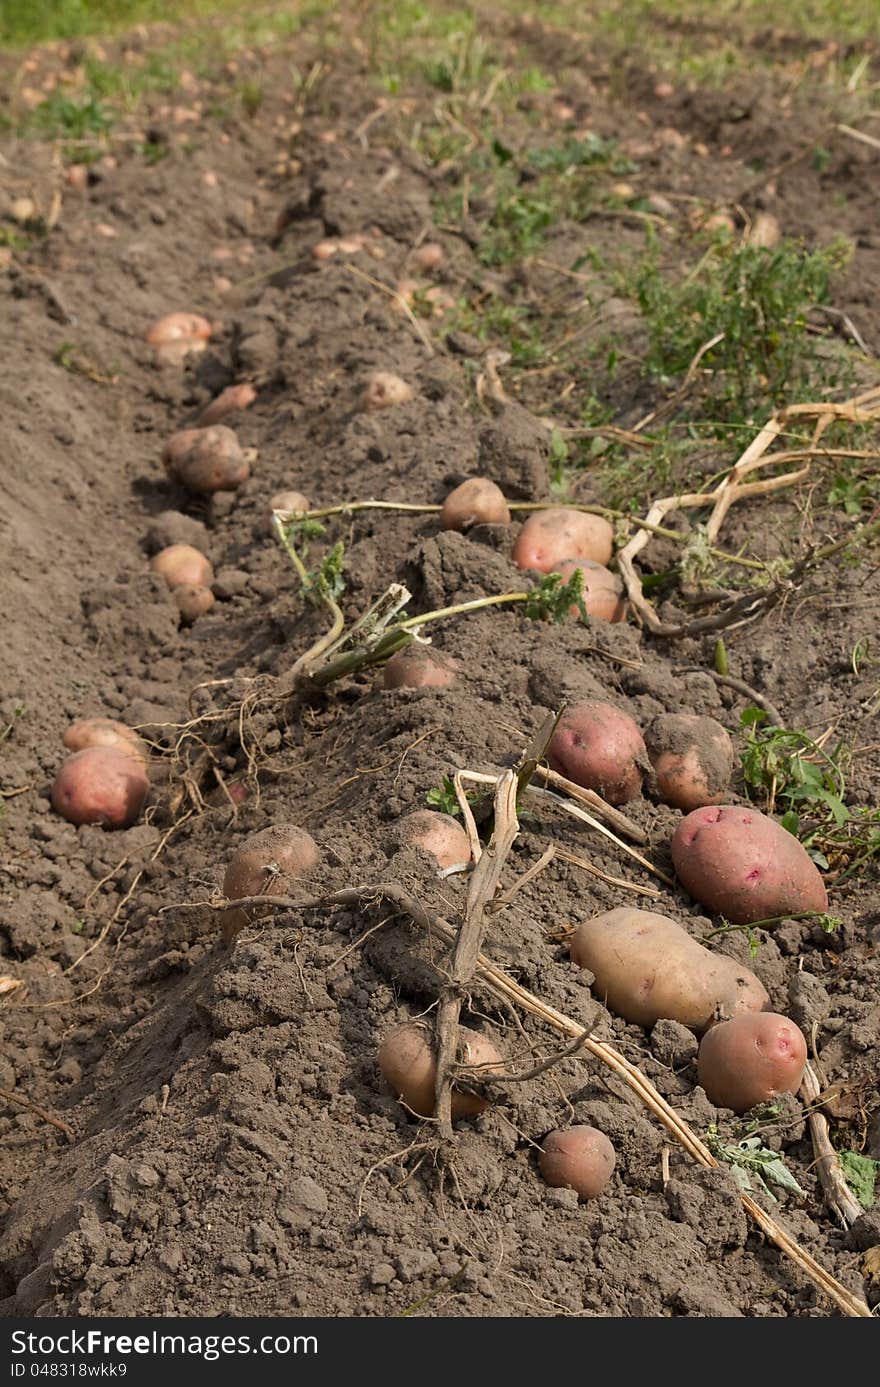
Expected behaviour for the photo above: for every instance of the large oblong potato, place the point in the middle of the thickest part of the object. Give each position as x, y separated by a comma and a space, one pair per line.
745, 866
265, 864
647, 968
560, 532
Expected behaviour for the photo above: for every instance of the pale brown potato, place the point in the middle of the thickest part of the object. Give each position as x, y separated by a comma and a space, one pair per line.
101, 785
438, 834
647, 968
599, 747
419, 667
477, 501
285, 501
429, 256
745, 866
551, 536
89, 732
182, 566
192, 601
233, 398
265, 864
577, 1158
206, 460
751, 1059
409, 1067
603, 591
177, 336
692, 759
384, 390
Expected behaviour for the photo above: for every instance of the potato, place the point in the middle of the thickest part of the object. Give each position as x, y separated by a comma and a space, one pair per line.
603, 590
429, 256
233, 398
478, 501
177, 336
266, 864
419, 667
692, 759
750, 1059
384, 390
744, 866
101, 785
409, 1067
286, 501
105, 732
550, 536
182, 566
206, 460
192, 601
577, 1158
438, 834
599, 747
648, 968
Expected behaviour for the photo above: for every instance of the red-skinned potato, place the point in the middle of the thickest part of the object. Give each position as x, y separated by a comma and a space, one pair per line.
419, 667
233, 398
385, 390
550, 536
599, 747
647, 968
745, 866
177, 336
89, 732
265, 864
192, 602
101, 785
182, 566
409, 1067
478, 501
692, 759
206, 460
438, 834
750, 1059
602, 589
577, 1158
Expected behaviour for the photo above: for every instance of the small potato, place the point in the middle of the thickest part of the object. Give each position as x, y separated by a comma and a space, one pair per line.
692, 759
744, 866
603, 590
577, 1158
429, 256
265, 864
477, 501
599, 747
438, 834
385, 390
409, 1067
192, 602
206, 460
101, 785
550, 536
182, 566
177, 336
105, 732
233, 398
647, 968
750, 1059
285, 501
419, 667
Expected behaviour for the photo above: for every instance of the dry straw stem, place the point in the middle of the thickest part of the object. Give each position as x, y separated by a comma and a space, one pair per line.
838, 1195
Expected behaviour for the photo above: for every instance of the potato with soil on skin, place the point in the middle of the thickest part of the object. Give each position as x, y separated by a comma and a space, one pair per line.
229, 401
599, 747
603, 592
265, 864
429, 256
192, 601
409, 1066
692, 759
551, 536
419, 667
101, 785
183, 566
648, 968
577, 1158
206, 460
745, 866
477, 501
177, 336
384, 390
285, 501
751, 1059
438, 834
89, 732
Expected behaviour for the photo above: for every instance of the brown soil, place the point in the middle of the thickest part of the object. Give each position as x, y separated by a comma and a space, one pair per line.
234, 1147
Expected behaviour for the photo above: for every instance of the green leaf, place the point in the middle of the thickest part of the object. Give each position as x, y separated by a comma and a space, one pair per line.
751, 716
791, 822
861, 1176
